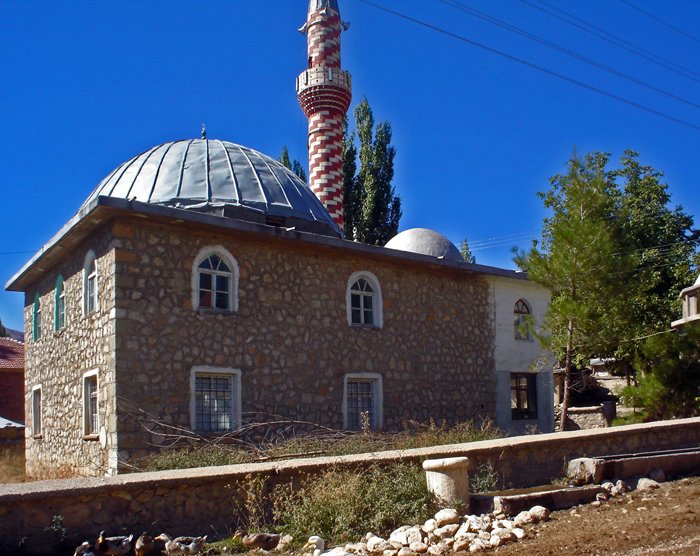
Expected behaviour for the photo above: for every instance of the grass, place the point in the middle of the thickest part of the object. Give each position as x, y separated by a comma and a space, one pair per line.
333, 443
12, 467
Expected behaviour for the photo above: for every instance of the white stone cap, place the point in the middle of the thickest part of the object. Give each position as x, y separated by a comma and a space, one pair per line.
445, 464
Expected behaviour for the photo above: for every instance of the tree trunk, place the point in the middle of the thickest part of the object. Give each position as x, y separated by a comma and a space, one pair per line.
567, 373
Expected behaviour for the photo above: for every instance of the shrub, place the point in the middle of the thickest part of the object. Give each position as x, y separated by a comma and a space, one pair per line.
485, 479
343, 505
203, 456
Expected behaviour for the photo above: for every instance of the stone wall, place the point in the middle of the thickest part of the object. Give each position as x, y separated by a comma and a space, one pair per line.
290, 337
586, 418
209, 500
58, 360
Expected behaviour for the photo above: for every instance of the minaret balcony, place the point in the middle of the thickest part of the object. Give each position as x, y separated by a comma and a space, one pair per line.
322, 76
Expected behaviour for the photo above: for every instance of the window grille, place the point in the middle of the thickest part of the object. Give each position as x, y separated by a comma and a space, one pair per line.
361, 403
92, 425
214, 397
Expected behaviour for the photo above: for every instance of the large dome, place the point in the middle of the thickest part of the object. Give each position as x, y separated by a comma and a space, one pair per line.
222, 178
426, 242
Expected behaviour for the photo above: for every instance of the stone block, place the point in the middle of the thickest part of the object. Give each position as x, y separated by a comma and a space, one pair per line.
583, 471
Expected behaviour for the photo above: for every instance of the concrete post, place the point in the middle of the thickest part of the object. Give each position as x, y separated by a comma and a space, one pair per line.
448, 479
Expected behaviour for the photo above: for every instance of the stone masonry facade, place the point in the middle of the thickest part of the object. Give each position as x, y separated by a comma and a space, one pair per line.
289, 339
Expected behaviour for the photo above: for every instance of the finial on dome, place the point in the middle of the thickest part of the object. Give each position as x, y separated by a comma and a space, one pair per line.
204, 131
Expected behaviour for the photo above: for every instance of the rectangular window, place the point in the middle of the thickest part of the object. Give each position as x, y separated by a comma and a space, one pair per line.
61, 311
36, 411
692, 305
216, 401
363, 401
90, 399
91, 292
523, 396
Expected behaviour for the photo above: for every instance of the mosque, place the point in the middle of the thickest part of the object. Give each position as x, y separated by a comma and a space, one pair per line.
203, 285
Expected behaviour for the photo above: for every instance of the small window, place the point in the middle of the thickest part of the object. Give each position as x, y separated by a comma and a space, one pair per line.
36, 411
521, 313
364, 300
91, 425
215, 280
362, 402
692, 305
523, 396
90, 299
60, 308
36, 318
216, 400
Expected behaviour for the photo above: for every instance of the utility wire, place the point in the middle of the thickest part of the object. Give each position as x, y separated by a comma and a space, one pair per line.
661, 21
613, 39
532, 65
572, 53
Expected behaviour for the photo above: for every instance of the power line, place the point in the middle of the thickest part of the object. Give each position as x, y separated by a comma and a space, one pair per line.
533, 65
16, 252
661, 21
614, 39
572, 53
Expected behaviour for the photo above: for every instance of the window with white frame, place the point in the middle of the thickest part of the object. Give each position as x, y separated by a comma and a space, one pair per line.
36, 318
90, 299
363, 401
60, 304
521, 314
36, 411
523, 396
91, 420
215, 280
216, 399
364, 300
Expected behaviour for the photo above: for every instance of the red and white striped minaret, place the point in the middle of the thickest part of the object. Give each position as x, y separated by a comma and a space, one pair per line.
324, 93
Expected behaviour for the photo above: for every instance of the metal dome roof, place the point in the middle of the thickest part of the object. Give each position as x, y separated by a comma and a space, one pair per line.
222, 178
426, 242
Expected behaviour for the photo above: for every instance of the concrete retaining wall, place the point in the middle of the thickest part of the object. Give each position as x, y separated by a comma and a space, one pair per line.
209, 500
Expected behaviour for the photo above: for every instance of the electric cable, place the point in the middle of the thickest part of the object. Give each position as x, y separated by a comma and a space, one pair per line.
661, 21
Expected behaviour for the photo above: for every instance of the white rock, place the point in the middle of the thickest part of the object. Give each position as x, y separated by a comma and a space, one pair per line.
506, 534
484, 535
461, 544
430, 526
616, 492
607, 485
448, 516
357, 548
476, 524
439, 550
504, 523
390, 552
446, 532
523, 518
496, 541
377, 544
657, 475
477, 545
419, 547
602, 497
400, 535
647, 484
539, 513
395, 545
622, 486
518, 532
405, 551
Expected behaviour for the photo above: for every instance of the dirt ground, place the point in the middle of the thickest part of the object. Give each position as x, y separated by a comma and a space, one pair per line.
663, 521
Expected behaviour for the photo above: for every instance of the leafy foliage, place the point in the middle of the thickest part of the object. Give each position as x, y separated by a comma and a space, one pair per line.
372, 208
3, 330
294, 166
466, 252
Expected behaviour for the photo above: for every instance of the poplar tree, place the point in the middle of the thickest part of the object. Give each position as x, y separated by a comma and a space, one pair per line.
466, 252
3, 330
295, 166
372, 207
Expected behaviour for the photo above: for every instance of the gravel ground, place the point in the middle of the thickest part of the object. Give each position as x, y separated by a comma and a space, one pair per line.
663, 521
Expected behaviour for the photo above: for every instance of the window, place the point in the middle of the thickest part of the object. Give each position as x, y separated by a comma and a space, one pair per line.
364, 300
36, 410
90, 301
521, 313
60, 304
363, 401
523, 396
91, 420
216, 403
215, 280
36, 318
692, 305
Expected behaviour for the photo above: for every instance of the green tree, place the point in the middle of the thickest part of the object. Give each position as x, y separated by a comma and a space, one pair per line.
372, 207
3, 330
466, 252
575, 261
294, 166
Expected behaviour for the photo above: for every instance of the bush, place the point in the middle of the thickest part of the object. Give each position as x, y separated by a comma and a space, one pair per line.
203, 456
341, 506
485, 479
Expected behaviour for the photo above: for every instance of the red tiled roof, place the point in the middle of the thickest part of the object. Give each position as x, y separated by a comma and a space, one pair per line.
11, 354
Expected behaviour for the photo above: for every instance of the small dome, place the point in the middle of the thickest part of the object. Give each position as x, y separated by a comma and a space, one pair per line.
426, 242
222, 178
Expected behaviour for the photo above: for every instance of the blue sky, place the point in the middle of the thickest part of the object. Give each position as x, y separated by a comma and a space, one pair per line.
87, 85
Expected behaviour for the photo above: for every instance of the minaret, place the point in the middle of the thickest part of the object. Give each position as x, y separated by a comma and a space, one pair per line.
324, 94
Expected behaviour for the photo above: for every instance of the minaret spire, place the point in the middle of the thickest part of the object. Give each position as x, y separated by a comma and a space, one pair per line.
324, 93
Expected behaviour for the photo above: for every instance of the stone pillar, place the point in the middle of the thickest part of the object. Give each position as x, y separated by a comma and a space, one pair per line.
448, 479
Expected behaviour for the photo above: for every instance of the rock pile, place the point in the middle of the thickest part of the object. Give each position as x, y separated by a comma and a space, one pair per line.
449, 532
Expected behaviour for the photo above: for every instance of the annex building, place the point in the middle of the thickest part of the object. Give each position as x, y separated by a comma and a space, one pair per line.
202, 285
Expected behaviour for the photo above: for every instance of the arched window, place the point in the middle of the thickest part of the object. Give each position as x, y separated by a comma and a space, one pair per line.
364, 300
215, 280
36, 318
521, 314
59, 304
90, 298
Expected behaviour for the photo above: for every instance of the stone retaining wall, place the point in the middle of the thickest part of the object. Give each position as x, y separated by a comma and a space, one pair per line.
209, 500
586, 418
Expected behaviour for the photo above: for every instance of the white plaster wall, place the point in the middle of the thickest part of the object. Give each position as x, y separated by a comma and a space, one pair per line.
511, 355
